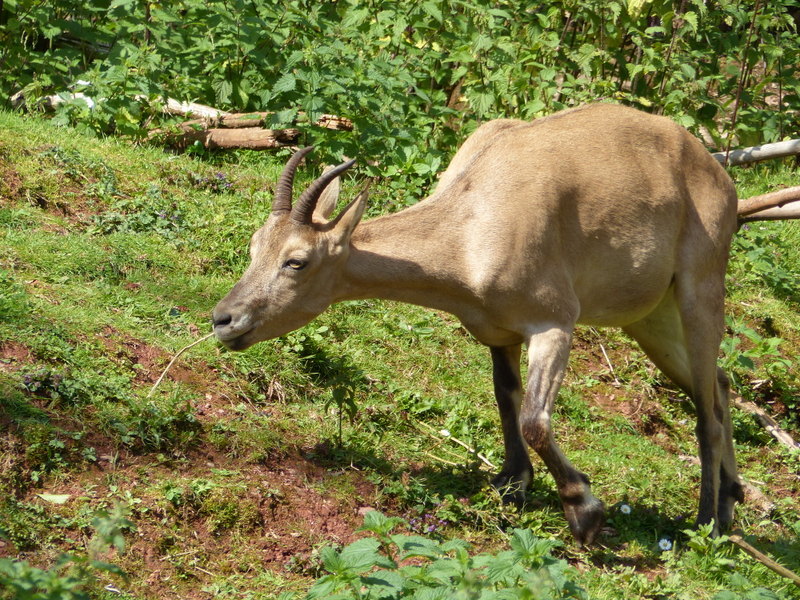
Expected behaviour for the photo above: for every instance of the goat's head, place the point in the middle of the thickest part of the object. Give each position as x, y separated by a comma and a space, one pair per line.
295, 260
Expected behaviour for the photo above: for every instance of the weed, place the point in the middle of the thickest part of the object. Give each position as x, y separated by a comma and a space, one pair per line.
148, 426
399, 565
71, 574
14, 303
149, 212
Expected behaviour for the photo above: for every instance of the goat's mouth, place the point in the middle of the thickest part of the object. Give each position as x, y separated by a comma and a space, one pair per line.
238, 341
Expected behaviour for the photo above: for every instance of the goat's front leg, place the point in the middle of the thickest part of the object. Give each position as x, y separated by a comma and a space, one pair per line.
516, 473
548, 352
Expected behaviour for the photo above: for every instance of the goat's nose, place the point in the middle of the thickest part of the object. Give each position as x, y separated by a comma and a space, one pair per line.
220, 320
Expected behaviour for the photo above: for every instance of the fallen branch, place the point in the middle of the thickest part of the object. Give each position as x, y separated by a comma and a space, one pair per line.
748, 207
252, 138
767, 422
757, 153
765, 560
189, 109
779, 213
174, 358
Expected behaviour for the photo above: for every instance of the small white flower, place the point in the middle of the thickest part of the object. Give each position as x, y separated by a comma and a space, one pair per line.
625, 509
665, 544
445, 433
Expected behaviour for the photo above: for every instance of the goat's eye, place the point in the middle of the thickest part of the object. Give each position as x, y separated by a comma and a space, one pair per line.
294, 263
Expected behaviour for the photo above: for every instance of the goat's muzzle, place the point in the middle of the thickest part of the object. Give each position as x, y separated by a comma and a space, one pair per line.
231, 331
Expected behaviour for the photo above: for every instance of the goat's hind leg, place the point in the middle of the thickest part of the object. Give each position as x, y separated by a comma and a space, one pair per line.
548, 351
516, 472
700, 300
682, 337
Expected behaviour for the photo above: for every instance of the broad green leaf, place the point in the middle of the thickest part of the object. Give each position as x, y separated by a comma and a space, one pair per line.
286, 83
362, 555
384, 584
416, 545
433, 10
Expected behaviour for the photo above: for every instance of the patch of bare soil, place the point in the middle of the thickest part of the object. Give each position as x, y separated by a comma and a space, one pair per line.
11, 183
296, 515
14, 356
148, 362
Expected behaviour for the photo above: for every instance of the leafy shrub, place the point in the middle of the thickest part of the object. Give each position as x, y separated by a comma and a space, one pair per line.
148, 426
408, 76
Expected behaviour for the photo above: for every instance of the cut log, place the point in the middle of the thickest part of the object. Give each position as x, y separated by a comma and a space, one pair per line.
334, 122
189, 109
252, 138
756, 153
260, 119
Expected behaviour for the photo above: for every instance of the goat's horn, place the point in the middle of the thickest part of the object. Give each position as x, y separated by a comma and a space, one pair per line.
307, 201
283, 189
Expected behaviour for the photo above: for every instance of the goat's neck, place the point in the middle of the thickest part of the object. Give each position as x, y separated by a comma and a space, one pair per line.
403, 257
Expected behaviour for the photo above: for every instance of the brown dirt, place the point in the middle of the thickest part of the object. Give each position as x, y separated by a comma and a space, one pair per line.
14, 356
148, 362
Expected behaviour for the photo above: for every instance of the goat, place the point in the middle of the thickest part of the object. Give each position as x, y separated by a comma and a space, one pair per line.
601, 215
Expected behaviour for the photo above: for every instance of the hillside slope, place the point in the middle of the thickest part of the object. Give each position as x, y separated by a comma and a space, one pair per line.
228, 479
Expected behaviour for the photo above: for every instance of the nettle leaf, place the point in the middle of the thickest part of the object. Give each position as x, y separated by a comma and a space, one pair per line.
324, 587
285, 83
376, 522
222, 90
433, 10
332, 560
362, 555
437, 593
528, 547
416, 545
384, 584
505, 568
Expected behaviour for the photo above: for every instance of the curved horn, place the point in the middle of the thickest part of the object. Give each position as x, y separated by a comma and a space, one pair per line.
283, 188
307, 201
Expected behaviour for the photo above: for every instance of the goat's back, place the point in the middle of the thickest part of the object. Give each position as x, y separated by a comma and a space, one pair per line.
602, 204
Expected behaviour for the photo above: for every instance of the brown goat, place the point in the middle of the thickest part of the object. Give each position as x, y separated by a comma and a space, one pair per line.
601, 215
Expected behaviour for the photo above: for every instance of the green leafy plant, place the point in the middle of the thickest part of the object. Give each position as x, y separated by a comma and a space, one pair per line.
72, 574
394, 565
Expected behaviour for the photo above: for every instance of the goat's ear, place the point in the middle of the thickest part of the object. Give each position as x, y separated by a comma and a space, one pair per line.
347, 220
328, 199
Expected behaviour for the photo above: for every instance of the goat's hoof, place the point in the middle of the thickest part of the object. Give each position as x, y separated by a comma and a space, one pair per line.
511, 487
586, 520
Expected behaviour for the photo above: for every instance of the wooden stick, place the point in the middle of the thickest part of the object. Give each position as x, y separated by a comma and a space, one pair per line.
765, 560
778, 213
770, 200
253, 138
767, 422
753, 154
469, 449
174, 358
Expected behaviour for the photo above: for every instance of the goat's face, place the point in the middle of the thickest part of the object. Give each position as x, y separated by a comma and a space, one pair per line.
295, 260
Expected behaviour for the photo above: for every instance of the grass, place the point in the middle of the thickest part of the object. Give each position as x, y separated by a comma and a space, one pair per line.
242, 467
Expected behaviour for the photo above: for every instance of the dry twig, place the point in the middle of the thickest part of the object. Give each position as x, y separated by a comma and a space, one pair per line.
765, 560
174, 358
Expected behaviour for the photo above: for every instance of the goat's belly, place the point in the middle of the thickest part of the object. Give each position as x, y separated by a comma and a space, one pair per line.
620, 302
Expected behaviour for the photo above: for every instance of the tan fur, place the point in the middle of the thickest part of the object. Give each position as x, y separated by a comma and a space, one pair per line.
601, 215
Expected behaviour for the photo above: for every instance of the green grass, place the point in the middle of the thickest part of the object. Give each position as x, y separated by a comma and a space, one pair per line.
111, 259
